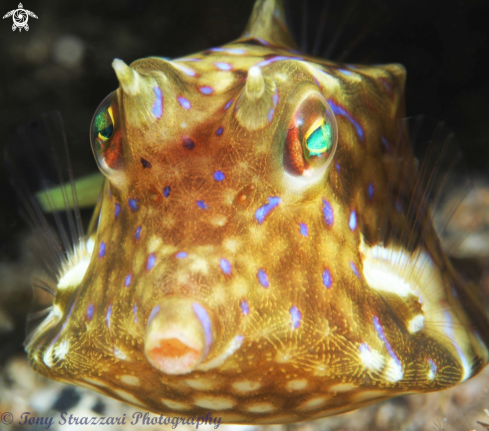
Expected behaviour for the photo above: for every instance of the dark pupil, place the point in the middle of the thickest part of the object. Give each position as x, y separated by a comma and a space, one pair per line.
107, 132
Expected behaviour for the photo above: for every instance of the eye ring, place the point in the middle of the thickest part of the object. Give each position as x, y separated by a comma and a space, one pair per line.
312, 138
106, 136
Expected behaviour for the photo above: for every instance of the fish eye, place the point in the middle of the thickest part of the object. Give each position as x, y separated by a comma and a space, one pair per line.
106, 137
312, 138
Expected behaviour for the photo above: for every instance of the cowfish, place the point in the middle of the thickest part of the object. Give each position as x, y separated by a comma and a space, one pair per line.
262, 248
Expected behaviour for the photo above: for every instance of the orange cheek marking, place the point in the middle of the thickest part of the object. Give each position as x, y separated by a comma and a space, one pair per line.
113, 156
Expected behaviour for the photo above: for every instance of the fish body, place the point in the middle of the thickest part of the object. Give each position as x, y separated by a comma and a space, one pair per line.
249, 258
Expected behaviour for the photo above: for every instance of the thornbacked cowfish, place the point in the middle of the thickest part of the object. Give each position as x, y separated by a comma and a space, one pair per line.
263, 247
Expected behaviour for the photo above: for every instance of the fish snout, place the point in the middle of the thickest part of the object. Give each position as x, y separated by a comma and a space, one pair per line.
179, 335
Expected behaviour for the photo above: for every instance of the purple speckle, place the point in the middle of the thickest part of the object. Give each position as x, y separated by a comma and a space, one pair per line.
328, 213
386, 145
337, 167
245, 308
181, 255
206, 90
117, 210
107, 316
270, 115
303, 229
296, 316
398, 206
127, 281
364, 348
263, 278
433, 367
90, 312
262, 212
354, 269
225, 266
135, 312
228, 104
219, 176
202, 205
383, 338
151, 261
188, 143
205, 321
353, 221
166, 191
184, 103
223, 66
158, 103
219, 131
340, 110
327, 280
133, 204
275, 98
345, 72
137, 235
187, 70
370, 191
101, 250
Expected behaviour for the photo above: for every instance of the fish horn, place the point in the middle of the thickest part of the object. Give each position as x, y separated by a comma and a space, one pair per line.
179, 335
256, 100
267, 22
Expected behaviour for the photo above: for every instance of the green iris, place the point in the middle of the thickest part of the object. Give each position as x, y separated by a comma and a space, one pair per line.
103, 125
320, 141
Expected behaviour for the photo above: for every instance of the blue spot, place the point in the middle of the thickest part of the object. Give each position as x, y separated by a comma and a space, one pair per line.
206, 90
133, 204
354, 269
262, 212
263, 278
107, 316
101, 251
166, 191
383, 338
304, 230
398, 206
270, 115
275, 98
151, 261
245, 308
236, 51
223, 66
117, 210
364, 348
262, 41
219, 176
296, 317
228, 104
158, 104
345, 72
327, 280
138, 233
386, 145
277, 58
337, 167
328, 213
219, 131
353, 221
188, 143
127, 281
135, 312
225, 266
184, 103
339, 110
90, 312
181, 255
202, 205
187, 70
433, 366
205, 321
370, 191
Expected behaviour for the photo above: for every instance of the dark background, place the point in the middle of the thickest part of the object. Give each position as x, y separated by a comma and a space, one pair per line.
444, 46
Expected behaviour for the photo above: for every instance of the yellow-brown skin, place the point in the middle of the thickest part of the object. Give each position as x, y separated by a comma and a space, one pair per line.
279, 373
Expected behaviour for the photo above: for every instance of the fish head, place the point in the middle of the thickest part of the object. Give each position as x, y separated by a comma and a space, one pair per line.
241, 263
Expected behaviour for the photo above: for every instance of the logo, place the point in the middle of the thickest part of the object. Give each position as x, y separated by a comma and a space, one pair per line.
20, 17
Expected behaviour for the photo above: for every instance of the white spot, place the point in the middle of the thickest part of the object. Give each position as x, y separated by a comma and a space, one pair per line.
174, 405
371, 359
246, 386
48, 356
74, 276
198, 264
201, 384
313, 403
130, 380
128, 397
416, 323
393, 371
61, 349
119, 354
296, 385
90, 245
234, 345
261, 408
343, 387
214, 403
